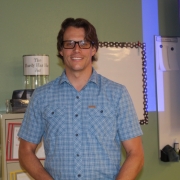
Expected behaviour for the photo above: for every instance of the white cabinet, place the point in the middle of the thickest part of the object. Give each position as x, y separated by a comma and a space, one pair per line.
9, 158
10, 165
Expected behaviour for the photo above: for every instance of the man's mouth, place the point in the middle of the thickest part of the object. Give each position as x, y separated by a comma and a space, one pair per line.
76, 58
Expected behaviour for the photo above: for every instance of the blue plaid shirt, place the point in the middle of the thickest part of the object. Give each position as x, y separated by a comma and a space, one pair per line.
82, 131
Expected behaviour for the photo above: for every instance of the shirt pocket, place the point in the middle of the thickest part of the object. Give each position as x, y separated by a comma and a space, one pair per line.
102, 122
55, 121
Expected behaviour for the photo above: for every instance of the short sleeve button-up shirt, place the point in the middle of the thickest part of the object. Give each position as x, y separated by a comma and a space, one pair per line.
82, 131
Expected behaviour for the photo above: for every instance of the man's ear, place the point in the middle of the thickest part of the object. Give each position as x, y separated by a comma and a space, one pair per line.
61, 53
93, 51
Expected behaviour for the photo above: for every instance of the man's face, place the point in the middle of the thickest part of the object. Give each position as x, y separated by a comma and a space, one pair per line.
77, 59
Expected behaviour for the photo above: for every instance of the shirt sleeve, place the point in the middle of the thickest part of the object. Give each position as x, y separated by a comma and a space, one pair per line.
32, 126
128, 123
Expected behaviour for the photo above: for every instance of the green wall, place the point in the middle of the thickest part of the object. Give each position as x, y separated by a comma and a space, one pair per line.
31, 27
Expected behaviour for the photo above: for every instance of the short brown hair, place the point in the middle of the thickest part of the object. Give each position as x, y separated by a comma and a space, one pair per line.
90, 33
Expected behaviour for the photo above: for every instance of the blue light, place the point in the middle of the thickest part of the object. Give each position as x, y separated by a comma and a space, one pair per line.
150, 27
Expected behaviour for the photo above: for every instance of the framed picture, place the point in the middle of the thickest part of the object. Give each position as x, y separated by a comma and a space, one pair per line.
12, 143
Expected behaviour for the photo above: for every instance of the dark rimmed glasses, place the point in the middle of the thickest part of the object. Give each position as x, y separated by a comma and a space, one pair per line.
70, 44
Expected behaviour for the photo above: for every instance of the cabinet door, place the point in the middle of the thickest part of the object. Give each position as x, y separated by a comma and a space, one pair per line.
10, 124
8, 166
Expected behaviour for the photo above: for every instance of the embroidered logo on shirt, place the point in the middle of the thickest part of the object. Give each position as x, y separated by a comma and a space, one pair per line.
91, 106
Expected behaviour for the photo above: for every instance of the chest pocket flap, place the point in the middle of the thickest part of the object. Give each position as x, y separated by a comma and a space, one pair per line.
102, 120
55, 120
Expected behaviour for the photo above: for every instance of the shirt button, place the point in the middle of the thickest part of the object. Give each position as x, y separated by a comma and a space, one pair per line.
101, 111
77, 155
79, 175
52, 112
77, 97
76, 134
76, 115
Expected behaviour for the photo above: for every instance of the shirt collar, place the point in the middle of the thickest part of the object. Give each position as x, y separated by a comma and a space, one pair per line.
63, 78
93, 78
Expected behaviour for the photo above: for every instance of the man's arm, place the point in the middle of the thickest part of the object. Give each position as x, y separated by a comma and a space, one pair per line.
30, 162
134, 159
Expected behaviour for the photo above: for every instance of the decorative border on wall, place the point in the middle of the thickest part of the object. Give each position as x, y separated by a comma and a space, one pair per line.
142, 46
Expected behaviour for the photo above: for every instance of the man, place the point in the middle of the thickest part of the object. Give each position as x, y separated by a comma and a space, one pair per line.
82, 116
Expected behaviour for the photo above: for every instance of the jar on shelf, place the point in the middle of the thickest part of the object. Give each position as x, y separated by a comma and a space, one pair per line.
36, 70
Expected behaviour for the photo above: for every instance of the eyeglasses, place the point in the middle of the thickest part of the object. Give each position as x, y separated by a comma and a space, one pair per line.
70, 44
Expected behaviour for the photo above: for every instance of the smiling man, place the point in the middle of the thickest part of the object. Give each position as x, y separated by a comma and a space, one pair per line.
77, 54
83, 118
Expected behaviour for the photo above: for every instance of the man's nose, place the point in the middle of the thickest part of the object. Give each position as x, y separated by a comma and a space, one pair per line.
76, 47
